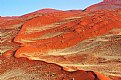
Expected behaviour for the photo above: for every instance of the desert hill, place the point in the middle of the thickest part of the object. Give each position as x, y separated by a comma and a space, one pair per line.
52, 44
105, 5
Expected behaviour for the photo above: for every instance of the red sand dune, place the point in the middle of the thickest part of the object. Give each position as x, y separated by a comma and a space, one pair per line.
71, 33
86, 44
47, 40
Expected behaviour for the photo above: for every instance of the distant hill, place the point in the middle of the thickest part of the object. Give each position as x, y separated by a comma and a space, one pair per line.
105, 5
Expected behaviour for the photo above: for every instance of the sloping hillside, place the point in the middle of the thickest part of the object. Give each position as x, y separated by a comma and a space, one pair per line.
68, 41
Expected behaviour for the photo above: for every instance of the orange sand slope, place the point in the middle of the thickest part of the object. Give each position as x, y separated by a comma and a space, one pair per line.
87, 40
68, 41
